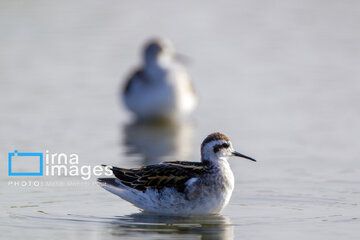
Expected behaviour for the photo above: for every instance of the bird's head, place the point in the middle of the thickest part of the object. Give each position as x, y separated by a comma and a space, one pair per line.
158, 48
218, 146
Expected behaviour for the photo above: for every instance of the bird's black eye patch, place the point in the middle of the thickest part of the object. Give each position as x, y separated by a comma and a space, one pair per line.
225, 145
220, 146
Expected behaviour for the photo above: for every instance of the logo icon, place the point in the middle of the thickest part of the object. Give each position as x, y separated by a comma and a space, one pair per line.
25, 164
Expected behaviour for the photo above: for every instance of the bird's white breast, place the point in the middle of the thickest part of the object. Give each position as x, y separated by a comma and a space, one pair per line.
217, 188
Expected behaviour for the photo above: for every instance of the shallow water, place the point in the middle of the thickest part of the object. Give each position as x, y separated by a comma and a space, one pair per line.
281, 80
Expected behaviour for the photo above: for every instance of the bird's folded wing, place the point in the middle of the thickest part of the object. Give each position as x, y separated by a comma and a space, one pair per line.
137, 75
167, 174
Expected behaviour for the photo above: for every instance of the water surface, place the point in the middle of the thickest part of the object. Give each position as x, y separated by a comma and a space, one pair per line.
281, 80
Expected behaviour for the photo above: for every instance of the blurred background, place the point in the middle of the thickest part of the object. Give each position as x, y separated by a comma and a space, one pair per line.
280, 78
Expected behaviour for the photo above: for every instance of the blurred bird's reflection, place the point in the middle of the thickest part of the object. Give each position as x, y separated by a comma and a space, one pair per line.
194, 227
159, 141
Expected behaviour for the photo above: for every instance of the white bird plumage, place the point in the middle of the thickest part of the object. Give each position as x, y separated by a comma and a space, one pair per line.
161, 88
180, 188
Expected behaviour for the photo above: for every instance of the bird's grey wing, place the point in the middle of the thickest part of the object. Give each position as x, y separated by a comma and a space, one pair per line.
137, 75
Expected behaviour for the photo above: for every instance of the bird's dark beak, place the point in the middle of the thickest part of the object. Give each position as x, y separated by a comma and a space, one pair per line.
182, 58
242, 155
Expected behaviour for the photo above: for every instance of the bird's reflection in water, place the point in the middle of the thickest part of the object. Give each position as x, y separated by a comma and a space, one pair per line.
195, 227
159, 141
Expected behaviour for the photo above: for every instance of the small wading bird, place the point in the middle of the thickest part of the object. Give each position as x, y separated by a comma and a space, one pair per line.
180, 188
161, 88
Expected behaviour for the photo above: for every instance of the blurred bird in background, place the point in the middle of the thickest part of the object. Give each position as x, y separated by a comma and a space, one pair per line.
161, 88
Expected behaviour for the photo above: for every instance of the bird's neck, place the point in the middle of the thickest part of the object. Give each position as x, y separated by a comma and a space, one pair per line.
155, 69
157, 62
216, 163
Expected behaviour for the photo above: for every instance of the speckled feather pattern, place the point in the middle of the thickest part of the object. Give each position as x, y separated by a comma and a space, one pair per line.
205, 192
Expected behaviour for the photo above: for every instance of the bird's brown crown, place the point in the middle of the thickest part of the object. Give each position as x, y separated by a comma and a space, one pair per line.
215, 137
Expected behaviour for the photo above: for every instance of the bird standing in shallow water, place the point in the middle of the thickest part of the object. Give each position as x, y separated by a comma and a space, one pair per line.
161, 88
180, 188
